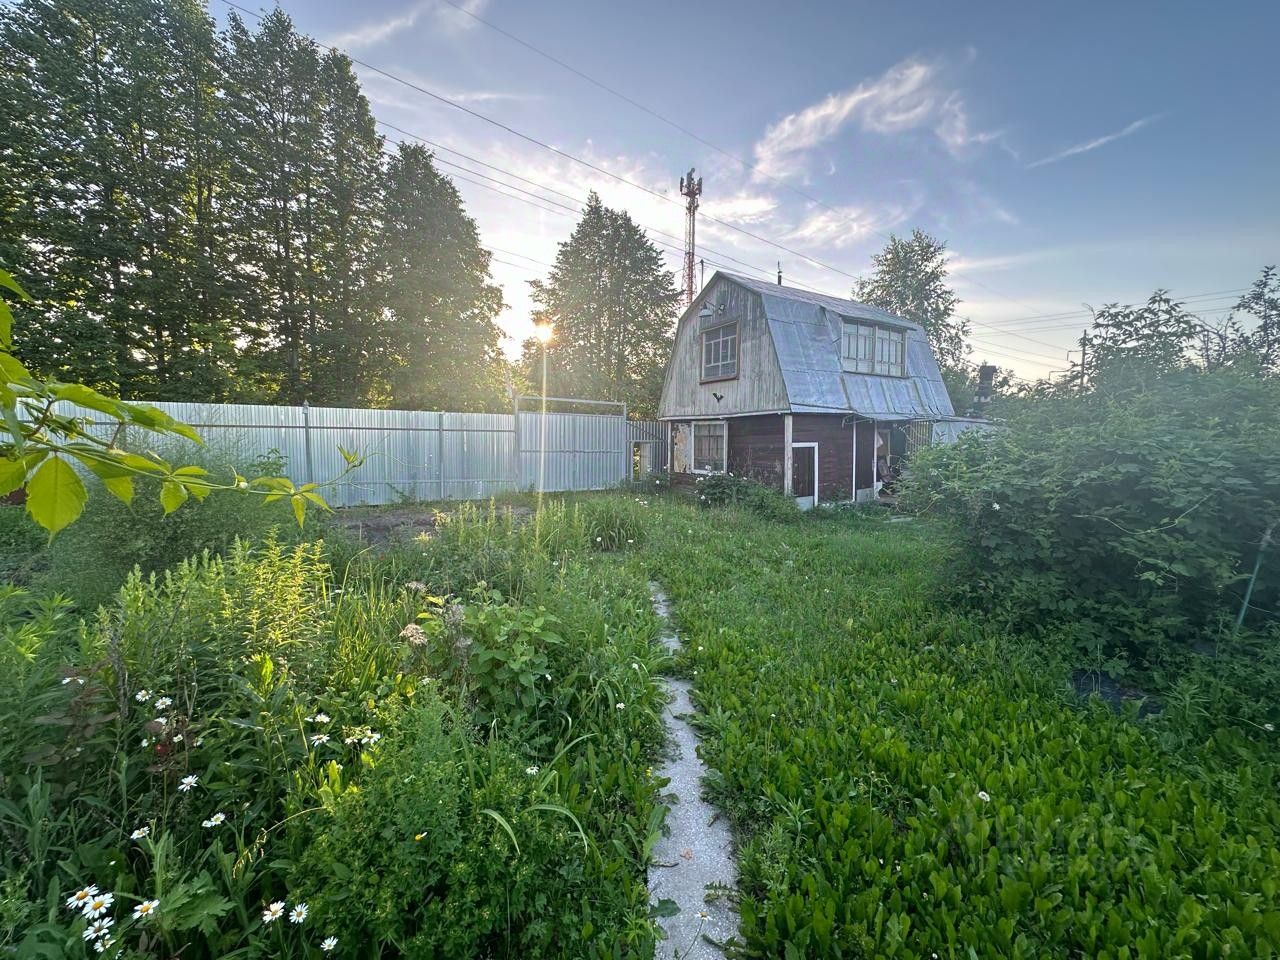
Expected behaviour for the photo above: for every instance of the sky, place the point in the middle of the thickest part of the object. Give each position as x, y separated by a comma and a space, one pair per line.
1070, 155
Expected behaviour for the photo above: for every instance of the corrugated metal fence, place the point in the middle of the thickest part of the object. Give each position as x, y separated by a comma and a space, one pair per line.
426, 455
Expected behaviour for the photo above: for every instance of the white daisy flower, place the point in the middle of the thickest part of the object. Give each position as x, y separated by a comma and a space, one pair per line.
532, 770
105, 944
984, 796
142, 696
995, 506
96, 906
373, 737
164, 703
162, 721
146, 742
145, 909
620, 706
319, 738
99, 928
188, 783
273, 912
140, 834
298, 913
78, 899
1269, 727
216, 820
321, 718
329, 944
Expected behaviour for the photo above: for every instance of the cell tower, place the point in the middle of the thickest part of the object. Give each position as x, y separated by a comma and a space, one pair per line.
691, 190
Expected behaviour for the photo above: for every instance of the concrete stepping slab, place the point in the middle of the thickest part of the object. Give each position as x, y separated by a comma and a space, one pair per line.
693, 862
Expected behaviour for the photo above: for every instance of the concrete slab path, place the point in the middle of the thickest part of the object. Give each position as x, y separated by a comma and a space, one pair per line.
693, 863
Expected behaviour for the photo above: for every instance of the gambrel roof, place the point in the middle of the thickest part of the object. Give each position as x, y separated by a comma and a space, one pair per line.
806, 330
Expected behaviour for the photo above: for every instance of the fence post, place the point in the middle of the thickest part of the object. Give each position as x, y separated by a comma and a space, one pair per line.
440, 451
306, 441
626, 446
518, 470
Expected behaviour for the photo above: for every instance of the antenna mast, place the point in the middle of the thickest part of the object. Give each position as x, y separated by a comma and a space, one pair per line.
691, 190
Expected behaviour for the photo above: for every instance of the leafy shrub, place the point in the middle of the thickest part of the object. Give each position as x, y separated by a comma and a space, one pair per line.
91, 559
1128, 522
22, 545
907, 782
724, 489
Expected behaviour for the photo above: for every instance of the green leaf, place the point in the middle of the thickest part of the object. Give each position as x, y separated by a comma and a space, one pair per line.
299, 503
7, 281
120, 487
88, 397
12, 370
6, 325
172, 496
13, 472
55, 495
502, 822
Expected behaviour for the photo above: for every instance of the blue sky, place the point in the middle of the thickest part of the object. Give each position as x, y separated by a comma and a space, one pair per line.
1069, 154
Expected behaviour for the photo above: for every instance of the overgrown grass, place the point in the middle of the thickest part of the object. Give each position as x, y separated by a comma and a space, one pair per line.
906, 782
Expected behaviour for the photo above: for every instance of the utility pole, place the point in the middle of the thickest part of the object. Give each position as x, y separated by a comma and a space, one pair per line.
1084, 355
691, 190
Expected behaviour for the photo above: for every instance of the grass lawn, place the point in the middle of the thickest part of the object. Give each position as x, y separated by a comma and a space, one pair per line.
906, 782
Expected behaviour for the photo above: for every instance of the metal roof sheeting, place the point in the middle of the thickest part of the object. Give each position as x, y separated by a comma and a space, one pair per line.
806, 331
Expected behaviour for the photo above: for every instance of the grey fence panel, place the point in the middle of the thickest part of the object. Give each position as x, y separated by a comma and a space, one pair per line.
415, 454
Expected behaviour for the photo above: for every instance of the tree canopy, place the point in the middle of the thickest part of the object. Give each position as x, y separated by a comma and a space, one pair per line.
212, 216
612, 304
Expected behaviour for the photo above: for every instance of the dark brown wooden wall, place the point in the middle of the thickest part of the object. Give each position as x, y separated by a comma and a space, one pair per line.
866, 454
755, 448
835, 451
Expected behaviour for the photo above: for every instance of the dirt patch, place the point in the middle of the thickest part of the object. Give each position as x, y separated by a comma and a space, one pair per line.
377, 527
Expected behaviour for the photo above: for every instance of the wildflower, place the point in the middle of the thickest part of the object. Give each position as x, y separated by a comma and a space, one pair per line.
1269, 727
79, 680
318, 739
105, 944
145, 909
188, 783
701, 648
164, 703
635, 666
630, 541
273, 912
98, 905
532, 770
216, 820
78, 899
414, 635
373, 738
178, 738
703, 915
298, 913
995, 506
329, 944
418, 837
417, 586
140, 834
161, 722
99, 928
621, 706
984, 796
321, 717
142, 696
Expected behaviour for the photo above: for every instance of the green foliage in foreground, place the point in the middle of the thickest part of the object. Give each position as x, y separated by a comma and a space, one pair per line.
907, 783
245, 732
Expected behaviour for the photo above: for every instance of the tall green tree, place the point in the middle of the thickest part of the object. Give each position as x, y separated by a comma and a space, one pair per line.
109, 118
437, 345
613, 305
909, 279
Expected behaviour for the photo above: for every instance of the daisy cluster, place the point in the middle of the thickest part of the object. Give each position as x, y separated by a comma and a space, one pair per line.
297, 915
95, 906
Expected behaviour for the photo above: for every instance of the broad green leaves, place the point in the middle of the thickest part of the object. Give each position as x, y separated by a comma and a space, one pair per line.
55, 495
41, 439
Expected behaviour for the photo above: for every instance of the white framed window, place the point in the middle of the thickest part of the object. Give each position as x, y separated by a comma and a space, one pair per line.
720, 352
868, 348
710, 446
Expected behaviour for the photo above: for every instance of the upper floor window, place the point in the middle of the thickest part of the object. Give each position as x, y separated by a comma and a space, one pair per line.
720, 352
869, 348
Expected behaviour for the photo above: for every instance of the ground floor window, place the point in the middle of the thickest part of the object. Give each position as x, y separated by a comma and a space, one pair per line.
709, 446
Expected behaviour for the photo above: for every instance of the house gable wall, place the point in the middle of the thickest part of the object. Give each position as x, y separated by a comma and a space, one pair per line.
758, 387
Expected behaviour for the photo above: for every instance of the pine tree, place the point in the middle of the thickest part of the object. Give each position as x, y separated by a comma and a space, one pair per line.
612, 304
438, 345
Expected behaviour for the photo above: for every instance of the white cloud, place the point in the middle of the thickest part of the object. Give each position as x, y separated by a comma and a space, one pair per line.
743, 207
384, 91
447, 17
838, 227
907, 96
1097, 142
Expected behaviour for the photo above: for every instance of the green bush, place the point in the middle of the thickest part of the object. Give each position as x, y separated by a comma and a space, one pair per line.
22, 546
725, 490
91, 559
1127, 522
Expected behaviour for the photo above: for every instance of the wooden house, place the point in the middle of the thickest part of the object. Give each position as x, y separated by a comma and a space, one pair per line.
817, 396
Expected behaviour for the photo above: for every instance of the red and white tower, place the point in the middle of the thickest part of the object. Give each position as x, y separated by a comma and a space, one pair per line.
691, 190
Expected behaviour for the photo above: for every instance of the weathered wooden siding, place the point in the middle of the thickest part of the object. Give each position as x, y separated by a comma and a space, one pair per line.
758, 388
866, 455
835, 452
755, 448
